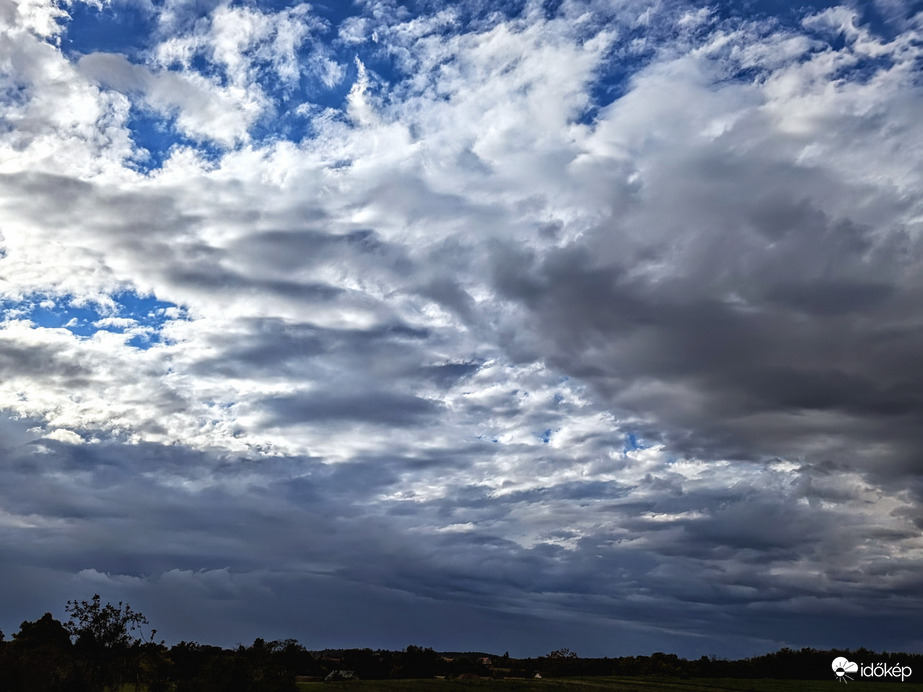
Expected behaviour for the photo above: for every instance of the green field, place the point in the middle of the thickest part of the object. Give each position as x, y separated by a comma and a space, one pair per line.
616, 684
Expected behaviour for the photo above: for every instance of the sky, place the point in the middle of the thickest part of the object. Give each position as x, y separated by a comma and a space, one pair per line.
498, 326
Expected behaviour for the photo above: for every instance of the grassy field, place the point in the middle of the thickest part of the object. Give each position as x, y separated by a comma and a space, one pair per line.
615, 684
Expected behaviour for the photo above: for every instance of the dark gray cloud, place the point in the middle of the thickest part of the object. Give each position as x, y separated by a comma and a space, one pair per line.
372, 407
233, 537
778, 311
596, 328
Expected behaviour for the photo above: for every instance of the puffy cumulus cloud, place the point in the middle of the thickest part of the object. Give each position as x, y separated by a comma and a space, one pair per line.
566, 325
37, 17
238, 40
51, 119
762, 247
204, 109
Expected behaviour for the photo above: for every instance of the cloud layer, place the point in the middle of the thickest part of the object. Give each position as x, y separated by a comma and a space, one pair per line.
582, 325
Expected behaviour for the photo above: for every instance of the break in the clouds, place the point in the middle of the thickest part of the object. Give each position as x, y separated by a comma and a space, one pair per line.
503, 326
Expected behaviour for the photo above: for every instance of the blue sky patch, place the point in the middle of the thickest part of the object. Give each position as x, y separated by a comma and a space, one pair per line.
632, 443
613, 81
130, 311
156, 137
119, 27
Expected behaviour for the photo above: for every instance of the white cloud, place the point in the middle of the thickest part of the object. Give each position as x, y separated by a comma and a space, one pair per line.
63, 435
40, 18
474, 283
480, 143
54, 120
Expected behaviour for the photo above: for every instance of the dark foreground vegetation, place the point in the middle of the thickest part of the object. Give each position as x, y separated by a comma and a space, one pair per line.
600, 684
108, 647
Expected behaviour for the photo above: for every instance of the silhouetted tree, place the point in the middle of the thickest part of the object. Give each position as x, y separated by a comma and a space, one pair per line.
562, 662
418, 662
262, 667
107, 640
107, 626
40, 657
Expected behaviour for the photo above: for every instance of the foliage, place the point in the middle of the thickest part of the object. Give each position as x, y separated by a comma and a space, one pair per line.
101, 649
590, 684
107, 644
46, 633
562, 653
47, 643
98, 626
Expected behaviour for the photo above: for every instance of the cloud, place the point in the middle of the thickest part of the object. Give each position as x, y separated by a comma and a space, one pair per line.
204, 110
240, 534
365, 406
568, 326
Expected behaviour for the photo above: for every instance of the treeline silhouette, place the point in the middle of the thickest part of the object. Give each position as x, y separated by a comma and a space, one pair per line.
106, 647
